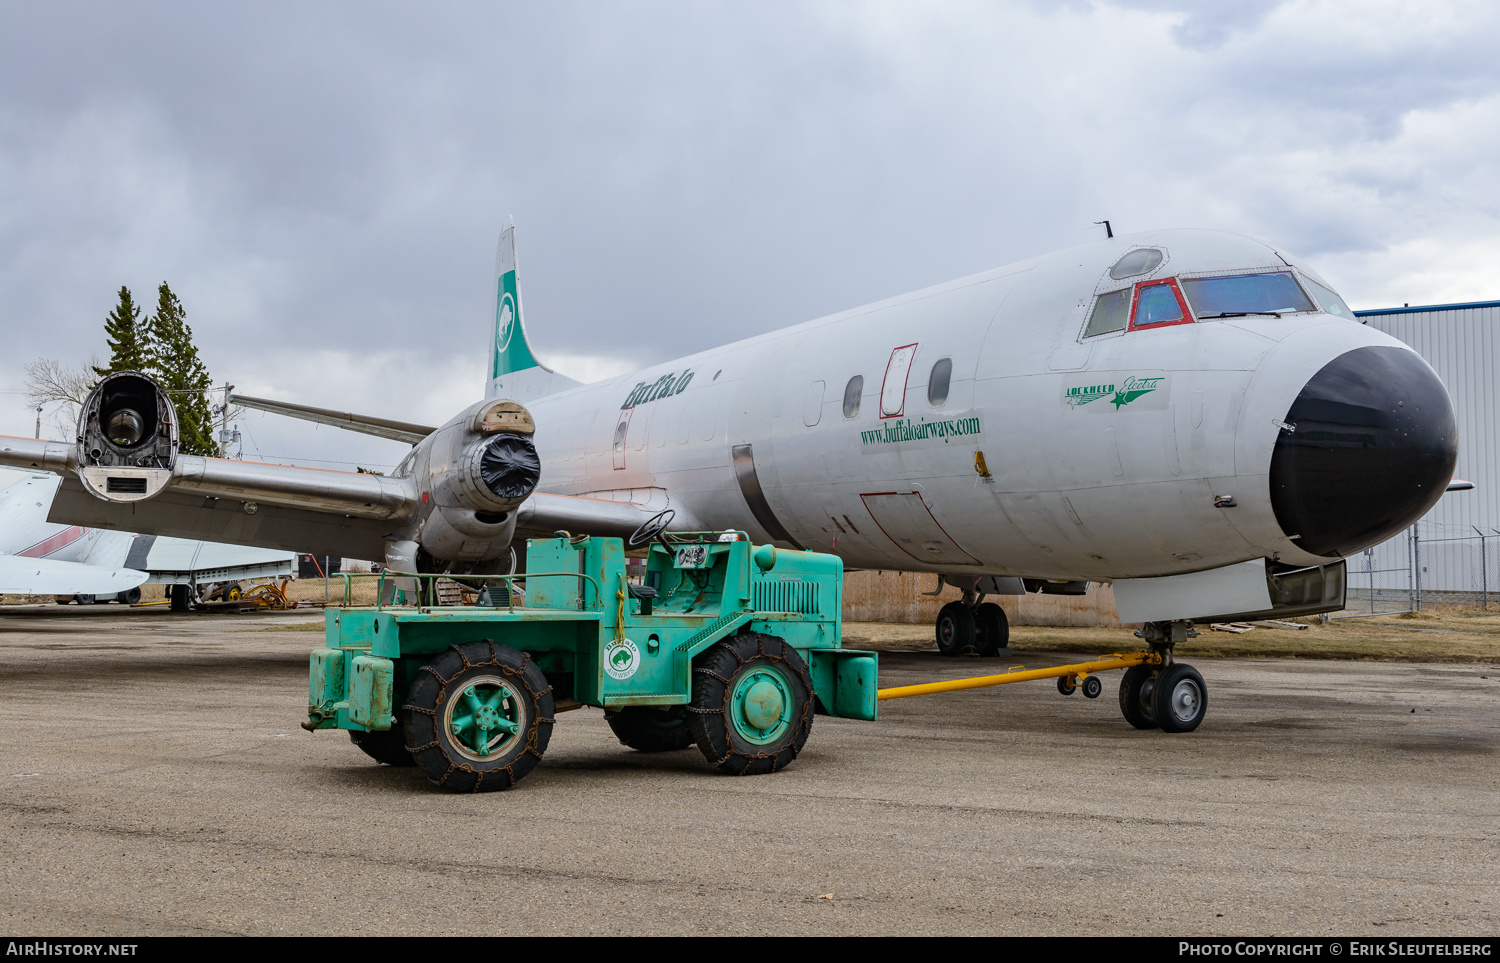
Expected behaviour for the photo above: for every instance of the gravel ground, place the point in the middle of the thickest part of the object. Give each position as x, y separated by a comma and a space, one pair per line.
156, 781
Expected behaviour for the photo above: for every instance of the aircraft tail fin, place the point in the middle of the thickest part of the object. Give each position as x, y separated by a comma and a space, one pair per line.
515, 372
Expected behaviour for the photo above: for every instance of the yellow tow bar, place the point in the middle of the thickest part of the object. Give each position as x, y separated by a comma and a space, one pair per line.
1079, 671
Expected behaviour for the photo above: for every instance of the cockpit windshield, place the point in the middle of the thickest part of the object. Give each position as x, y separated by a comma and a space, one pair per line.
1271, 294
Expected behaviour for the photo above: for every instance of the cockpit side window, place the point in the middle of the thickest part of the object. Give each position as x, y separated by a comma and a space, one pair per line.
1241, 295
1111, 313
1158, 303
1331, 302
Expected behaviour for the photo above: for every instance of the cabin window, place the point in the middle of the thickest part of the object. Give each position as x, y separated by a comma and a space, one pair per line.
1142, 261
893, 389
1272, 294
1111, 312
1331, 302
1158, 303
938, 381
852, 392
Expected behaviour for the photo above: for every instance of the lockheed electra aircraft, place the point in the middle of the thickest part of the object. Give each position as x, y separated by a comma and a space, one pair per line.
1194, 416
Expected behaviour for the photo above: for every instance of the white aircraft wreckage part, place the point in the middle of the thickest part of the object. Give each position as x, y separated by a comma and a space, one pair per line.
1232, 588
45, 576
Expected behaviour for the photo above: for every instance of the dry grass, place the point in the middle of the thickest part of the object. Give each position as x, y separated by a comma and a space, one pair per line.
1446, 635
364, 588
1440, 634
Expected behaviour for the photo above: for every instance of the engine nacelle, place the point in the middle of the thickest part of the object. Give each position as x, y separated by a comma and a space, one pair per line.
480, 467
127, 438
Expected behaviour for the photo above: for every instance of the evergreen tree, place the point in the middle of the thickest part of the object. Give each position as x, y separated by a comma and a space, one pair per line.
126, 336
172, 358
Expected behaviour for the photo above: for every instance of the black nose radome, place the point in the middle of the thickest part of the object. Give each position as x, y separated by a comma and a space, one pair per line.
1369, 449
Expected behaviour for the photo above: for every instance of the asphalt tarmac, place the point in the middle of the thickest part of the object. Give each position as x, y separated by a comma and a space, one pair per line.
156, 781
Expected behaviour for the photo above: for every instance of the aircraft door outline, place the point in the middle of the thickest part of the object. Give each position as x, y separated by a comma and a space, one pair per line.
812, 404
893, 387
622, 429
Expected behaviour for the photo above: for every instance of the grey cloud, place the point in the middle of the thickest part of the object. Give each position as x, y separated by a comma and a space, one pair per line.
326, 179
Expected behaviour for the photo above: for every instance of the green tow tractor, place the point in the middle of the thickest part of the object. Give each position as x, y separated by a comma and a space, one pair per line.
725, 645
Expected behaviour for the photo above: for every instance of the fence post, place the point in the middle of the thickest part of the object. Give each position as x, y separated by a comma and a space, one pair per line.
1484, 573
1416, 566
1411, 598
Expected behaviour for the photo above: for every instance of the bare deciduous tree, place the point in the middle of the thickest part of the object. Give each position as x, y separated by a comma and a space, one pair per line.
50, 382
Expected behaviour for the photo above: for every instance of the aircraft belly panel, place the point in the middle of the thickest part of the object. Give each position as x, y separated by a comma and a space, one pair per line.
1146, 529
908, 522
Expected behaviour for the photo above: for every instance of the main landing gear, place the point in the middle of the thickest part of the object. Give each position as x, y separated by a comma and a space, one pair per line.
1171, 696
973, 627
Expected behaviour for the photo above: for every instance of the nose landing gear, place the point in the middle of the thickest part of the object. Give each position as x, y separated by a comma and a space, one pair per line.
1171, 696
1155, 691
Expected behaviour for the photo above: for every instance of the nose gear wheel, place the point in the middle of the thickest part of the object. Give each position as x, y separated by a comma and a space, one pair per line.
1137, 692
1181, 698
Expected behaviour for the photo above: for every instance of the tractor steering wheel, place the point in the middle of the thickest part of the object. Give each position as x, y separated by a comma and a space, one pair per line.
652, 528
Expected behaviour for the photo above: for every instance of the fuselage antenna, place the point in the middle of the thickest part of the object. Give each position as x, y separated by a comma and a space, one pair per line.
1108, 231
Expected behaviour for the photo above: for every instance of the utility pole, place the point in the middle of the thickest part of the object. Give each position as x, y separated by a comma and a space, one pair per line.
38, 422
226, 437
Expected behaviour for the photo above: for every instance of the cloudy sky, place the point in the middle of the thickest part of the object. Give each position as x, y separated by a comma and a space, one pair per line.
322, 184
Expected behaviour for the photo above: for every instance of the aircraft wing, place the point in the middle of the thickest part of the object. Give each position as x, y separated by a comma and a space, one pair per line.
369, 425
542, 514
45, 576
272, 506
471, 483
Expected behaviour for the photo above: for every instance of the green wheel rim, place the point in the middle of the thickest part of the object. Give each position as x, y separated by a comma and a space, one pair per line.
760, 705
485, 718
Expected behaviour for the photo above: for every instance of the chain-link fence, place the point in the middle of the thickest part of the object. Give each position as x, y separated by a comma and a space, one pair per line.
1412, 570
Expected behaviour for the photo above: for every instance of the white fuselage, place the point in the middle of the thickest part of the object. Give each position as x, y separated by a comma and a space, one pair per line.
1101, 457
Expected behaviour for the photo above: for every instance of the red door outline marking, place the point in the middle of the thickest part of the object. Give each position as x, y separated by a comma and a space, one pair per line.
880, 398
